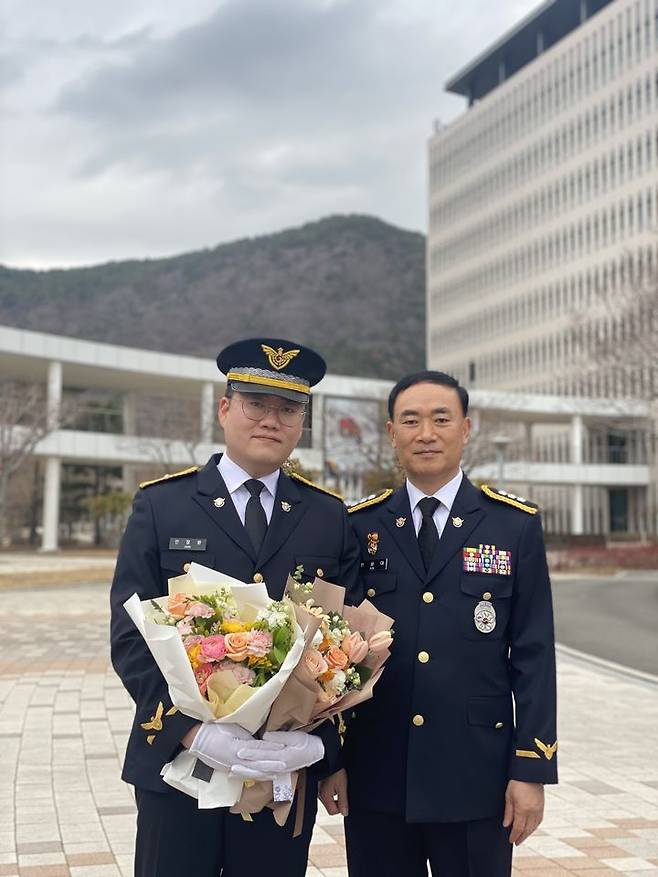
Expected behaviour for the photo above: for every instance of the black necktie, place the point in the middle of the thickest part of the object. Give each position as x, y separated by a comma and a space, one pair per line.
255, 520
428, 535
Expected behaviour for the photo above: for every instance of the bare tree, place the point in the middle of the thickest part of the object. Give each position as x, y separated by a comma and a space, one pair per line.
168, 430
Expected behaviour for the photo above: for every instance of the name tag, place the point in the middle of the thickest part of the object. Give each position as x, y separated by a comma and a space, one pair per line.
378, 565
182, 543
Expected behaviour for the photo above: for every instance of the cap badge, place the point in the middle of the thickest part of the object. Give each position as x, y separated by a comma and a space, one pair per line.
457, 522
285, 506
373, 543
279, 358
400, 522
219, 502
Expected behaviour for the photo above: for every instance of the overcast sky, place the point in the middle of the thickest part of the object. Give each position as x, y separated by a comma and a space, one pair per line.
131, 129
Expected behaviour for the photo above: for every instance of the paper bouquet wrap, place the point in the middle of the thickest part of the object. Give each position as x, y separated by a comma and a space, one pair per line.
242, 704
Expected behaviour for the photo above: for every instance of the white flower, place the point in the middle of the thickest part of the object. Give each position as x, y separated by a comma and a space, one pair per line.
336, 686
317, 639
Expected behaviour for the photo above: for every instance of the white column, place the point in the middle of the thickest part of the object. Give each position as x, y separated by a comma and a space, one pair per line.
49, 540
208, 412
317, 428
578, 493
52, 478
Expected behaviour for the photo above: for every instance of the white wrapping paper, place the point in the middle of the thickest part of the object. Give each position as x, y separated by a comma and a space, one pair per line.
166, 646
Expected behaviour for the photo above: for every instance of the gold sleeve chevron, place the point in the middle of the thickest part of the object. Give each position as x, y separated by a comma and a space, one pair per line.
155, 722
301, 478
518, 502
548, 750
169, 476
375, 499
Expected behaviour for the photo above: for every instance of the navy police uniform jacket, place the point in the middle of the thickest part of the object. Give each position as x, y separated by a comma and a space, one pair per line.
461, 707
176, 520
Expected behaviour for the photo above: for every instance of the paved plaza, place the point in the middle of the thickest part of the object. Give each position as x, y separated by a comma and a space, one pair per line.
64, 718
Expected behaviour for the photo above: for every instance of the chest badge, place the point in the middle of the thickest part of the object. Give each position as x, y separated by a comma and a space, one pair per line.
373, 543
219, 502
484, 617
400, 522
285, 506
457, 522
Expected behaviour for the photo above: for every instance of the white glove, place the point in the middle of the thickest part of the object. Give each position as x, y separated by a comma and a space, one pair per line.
285, 751
217, 745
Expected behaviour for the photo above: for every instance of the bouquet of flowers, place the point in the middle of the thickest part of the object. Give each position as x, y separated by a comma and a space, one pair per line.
226, 650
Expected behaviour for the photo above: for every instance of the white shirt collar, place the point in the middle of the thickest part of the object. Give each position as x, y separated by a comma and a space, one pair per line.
235, 476
445, 494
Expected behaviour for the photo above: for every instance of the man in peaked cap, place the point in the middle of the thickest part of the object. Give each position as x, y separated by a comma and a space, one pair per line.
242, 515
447, 763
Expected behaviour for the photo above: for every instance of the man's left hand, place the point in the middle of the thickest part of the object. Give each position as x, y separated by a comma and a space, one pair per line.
279, 752
524, 809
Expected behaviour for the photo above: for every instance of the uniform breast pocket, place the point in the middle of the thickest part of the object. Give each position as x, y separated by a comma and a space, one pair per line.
316, 565
485, 605
173, 562
379, 587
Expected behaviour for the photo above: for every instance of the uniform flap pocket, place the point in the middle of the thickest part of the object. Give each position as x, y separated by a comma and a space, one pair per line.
379, 583
476, 584
175, 560
490, 711
317, 565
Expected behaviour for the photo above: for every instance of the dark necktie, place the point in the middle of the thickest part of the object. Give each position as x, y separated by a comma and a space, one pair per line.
255, 520
428, 535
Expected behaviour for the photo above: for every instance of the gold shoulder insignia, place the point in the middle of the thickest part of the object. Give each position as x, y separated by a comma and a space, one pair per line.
169, 477
518, 502
375, 499
549, 749
301, 478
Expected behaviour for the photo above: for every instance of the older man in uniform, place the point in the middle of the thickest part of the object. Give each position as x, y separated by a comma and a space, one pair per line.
447, 762
243, 515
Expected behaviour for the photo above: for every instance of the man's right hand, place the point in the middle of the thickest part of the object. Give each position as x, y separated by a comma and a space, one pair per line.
217, 746
333, 793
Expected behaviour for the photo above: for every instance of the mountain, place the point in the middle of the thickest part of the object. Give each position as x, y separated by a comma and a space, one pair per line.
352, 286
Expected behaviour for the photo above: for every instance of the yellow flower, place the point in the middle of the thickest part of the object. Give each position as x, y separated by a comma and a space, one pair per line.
252, 661
235, 626
193, 655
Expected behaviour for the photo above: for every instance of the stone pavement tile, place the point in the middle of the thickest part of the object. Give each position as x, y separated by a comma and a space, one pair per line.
77, 859
96, 871
9, 869
39, 847
631, 864
45, 871
327, 856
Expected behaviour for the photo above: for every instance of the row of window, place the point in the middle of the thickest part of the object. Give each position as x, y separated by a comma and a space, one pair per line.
572, 75
619, 165
616, 223
624, 108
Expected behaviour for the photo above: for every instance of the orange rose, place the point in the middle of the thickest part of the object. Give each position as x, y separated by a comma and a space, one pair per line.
336, 658
314, 663
381, 640
355, 647
237, 646
177, 605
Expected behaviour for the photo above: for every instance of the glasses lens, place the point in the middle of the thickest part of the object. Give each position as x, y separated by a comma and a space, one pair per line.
289, 414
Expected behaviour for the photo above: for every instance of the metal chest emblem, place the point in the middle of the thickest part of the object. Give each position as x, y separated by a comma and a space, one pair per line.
457, 522
484, 617
285, 506
373, 543
400, 522
219, 502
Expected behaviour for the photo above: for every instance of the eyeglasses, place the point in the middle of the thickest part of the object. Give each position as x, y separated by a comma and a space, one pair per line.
289, 413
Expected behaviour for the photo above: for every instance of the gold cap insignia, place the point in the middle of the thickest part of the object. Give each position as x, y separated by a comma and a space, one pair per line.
219, 502
285, 506
373, 543
279, 358
457, 522
400, 522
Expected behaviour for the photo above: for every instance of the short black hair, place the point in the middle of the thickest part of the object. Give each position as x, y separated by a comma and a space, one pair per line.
428, 377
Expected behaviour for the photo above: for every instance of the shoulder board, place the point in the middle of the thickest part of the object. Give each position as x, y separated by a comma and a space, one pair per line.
374, 499
518, 502
319, 487
169, 477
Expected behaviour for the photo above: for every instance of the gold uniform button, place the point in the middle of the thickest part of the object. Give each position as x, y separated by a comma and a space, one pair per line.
319, 572
499, 724
428, 596
486, 595
418, 720
371, 592
258, 577
423, 657
186, 567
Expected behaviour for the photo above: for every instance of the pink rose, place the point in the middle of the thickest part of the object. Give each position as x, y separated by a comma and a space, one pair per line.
243, 674
213, 648
260, 643
177, 605
200, 610
355, 647
237, 646
381, 640
314, 663
201, 675
336, 658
